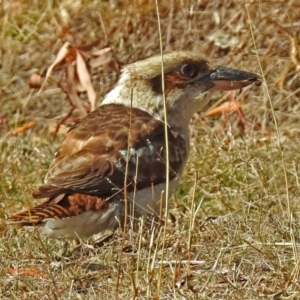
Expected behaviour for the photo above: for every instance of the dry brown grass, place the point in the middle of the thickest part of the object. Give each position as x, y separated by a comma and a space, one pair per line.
234, 233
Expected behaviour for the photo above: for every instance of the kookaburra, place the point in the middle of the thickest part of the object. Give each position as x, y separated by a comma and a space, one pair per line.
117, 153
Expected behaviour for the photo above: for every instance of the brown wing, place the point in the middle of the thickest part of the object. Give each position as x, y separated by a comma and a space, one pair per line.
93, 157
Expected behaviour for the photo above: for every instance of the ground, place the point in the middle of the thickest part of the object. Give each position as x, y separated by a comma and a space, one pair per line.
233, 228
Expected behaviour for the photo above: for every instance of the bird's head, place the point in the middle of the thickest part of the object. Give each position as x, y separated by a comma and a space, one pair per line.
188, 77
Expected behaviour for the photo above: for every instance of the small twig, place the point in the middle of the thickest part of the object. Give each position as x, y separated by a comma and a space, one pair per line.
64, 119
4, 123
182, 262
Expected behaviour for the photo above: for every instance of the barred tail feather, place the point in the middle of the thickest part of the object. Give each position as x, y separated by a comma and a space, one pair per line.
38, 214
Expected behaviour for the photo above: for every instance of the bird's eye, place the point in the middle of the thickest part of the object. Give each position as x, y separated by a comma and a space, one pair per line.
188, 70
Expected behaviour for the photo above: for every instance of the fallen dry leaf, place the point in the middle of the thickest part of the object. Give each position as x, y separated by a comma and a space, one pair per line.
85, 79
62, 54
76, 73
72, 90
27, 272
23, 128
226, 107
104, 57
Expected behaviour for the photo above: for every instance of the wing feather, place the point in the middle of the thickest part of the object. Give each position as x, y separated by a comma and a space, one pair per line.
95, 153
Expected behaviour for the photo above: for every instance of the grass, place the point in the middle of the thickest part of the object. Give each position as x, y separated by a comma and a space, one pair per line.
233, 231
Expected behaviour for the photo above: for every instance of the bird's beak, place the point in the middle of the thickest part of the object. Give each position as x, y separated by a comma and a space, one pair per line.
226, 79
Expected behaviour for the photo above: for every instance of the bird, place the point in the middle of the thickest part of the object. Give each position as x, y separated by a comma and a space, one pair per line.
113, 163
